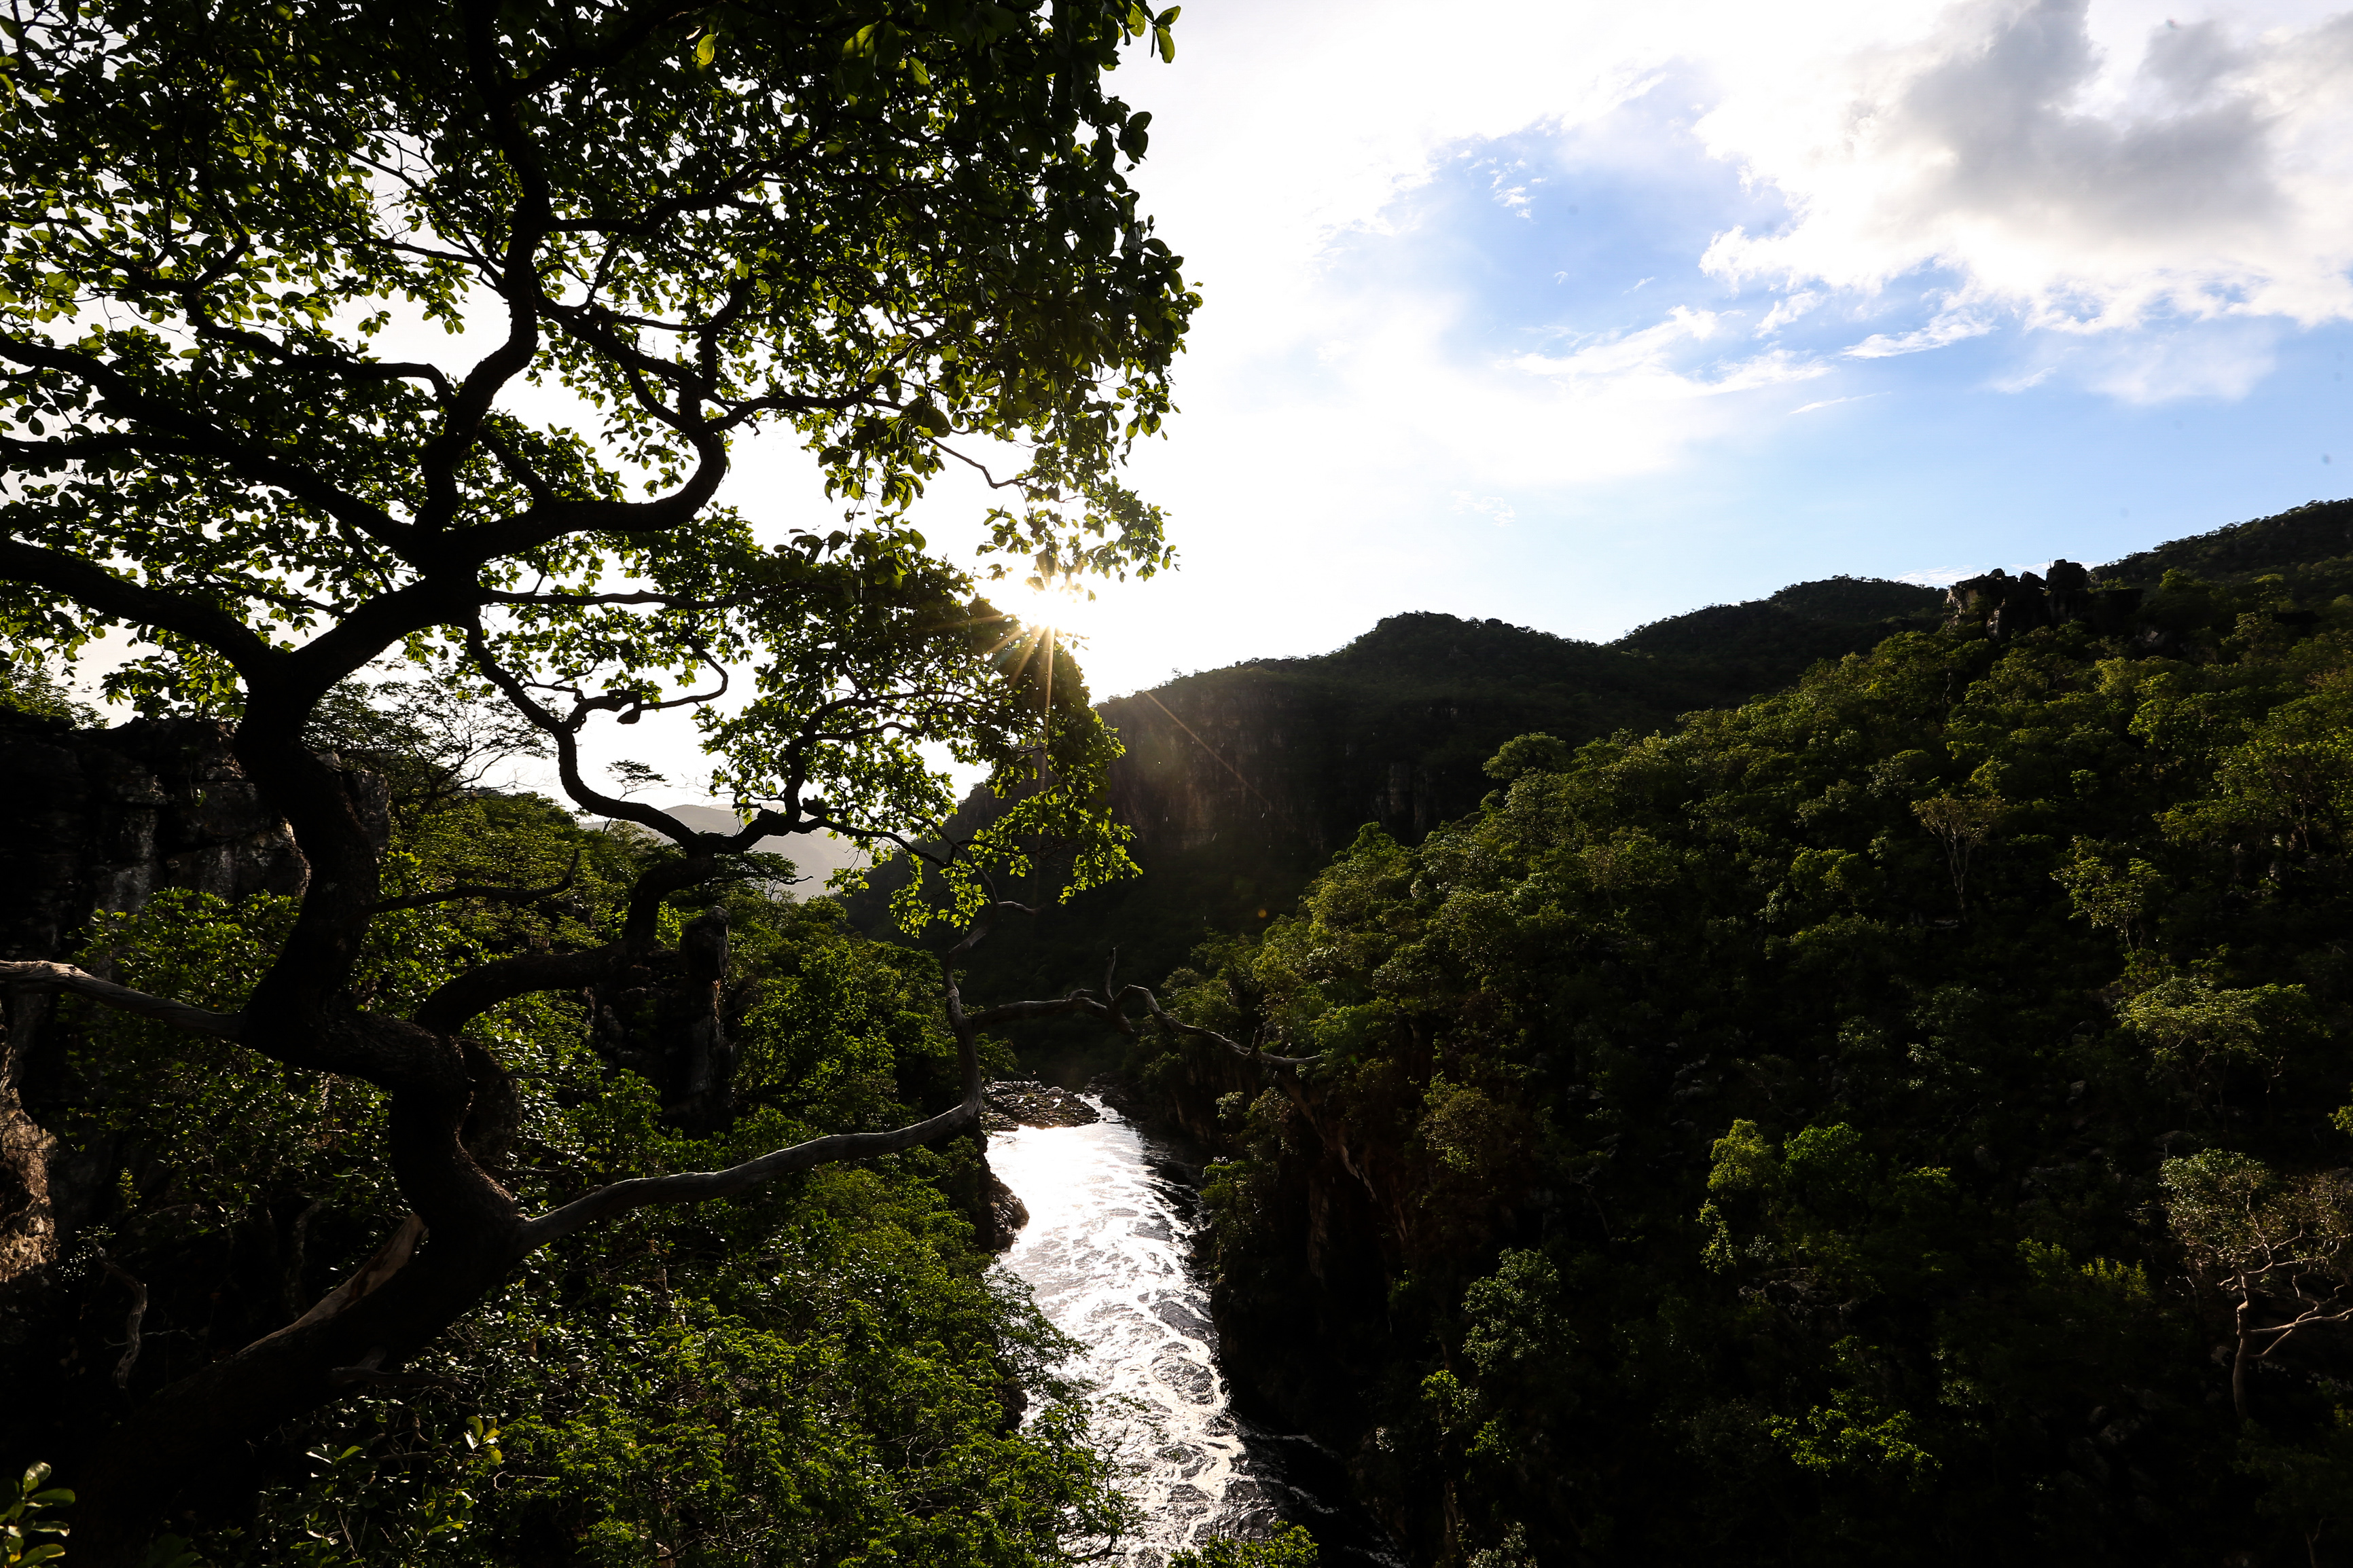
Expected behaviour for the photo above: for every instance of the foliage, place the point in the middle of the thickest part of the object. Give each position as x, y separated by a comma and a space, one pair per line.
347, 332
1293, 1548
840, 1396
1422, 696
820, 1372
1696, 1179
21, 1524
28, 687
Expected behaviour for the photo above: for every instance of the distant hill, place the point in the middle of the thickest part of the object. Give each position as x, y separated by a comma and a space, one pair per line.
2310, 546
815, 856
1241, 782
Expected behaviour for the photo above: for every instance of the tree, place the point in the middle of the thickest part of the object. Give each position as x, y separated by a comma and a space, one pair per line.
1961, 824
890, 232
2274, 1248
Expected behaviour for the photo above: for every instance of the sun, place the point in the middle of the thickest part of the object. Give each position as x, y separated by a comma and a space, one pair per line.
1062, 612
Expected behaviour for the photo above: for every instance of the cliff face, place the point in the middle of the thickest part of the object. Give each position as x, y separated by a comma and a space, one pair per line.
1237, 762
99, 820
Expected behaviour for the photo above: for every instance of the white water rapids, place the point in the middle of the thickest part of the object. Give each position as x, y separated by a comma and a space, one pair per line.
1105, 1254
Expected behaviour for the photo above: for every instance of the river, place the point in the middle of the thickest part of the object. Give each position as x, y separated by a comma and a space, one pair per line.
1107, 1255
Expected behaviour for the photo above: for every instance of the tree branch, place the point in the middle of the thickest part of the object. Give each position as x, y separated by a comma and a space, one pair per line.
65, 977
91, 584
123, 399
476, 890
700, 1186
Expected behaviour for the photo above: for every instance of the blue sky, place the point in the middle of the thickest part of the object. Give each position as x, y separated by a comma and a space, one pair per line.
1583, 316
1580, 314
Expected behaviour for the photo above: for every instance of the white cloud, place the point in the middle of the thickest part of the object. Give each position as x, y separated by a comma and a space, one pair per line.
1944, 330
1496, 507
1788, 309
2025, 160
2008, 146
1642, 366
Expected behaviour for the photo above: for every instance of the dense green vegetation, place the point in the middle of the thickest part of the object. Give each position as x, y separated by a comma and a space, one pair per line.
241, 454
2309, 550
1241, 783
1846, 1128
816, 1372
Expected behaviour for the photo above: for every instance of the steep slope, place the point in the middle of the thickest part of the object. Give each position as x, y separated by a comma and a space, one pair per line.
2311, 547
1241, 783
1855, 1128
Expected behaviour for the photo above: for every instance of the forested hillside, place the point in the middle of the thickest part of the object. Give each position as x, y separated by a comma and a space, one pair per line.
1241, 783
1897, 1119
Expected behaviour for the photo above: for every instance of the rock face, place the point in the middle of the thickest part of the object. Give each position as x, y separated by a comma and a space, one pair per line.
2008, 607
1012, 1104
101, 820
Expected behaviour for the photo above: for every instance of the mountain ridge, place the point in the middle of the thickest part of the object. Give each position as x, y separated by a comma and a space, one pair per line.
1241, 782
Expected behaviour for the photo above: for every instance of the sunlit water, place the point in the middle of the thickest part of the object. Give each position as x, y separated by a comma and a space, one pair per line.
1106, 1255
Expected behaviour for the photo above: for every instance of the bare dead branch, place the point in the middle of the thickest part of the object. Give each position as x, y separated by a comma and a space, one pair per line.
701, 1186
380, 1266
80, 983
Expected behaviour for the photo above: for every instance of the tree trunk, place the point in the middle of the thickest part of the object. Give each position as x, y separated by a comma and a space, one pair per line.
2240, 1361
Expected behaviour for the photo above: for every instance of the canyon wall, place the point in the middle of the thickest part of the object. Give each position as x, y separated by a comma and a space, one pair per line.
101, 820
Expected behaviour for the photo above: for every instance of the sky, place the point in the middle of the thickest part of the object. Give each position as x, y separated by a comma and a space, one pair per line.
1580, 315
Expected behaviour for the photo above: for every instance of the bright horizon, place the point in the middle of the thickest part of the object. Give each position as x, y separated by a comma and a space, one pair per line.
1590, 315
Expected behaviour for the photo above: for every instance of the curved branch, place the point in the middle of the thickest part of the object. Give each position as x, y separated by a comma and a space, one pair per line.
480, 989
123, 399
1171, 1025
475, 891
700, 1186
65, 977
89, 584
567, 751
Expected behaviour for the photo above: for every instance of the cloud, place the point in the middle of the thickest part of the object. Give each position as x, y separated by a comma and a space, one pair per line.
1935, 336
1642, 365
2007, 148
1495, 507
1788, 309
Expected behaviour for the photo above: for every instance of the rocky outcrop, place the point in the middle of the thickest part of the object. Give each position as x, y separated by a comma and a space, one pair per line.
2008, 607
101, 819
1012, 1104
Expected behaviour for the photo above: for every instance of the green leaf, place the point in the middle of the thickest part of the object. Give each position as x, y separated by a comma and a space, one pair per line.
705, 51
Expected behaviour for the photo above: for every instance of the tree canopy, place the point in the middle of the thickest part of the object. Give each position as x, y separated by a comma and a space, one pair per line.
1899, 1118
338, 332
